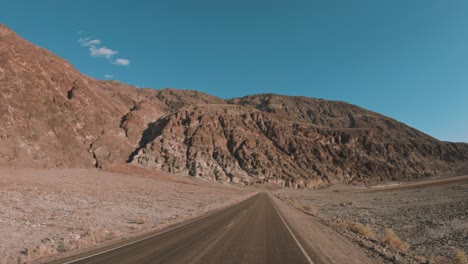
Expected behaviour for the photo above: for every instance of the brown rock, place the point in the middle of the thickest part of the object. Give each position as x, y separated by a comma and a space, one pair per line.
53, 116
244, 144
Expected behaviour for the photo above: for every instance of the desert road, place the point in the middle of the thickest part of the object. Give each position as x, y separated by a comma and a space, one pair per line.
252, 231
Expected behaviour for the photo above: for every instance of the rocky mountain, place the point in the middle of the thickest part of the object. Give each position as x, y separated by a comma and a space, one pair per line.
53, 116
292, 141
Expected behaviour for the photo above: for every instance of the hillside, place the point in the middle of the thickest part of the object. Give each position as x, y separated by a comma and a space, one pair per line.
53, 116
240, 143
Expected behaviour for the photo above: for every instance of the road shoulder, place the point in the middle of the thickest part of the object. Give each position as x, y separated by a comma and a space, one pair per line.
323, 244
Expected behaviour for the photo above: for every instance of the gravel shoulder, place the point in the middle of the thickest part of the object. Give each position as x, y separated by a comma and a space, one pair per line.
430, 218
59, 212
324, 244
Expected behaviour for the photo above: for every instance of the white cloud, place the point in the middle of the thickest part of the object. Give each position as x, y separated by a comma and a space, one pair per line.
108, 76
95, 50
102, 52
121, 61
92, 42
87, 42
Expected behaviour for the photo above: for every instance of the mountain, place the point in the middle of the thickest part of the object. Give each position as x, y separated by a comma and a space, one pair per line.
53, 116
293, 141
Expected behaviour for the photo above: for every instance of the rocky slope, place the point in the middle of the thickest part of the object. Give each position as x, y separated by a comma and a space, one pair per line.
240, 143
53, 116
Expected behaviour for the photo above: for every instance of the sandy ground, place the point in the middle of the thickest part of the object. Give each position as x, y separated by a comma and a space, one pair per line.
432, 217
45, 212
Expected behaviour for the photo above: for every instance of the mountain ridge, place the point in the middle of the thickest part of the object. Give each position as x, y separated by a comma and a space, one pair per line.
54, 116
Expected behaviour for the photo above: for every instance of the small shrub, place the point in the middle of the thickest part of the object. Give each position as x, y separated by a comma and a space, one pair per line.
361, 229
460, 258
390, 238
46, 248
439, 260
311, 209
139, 220
340, 224
95, 236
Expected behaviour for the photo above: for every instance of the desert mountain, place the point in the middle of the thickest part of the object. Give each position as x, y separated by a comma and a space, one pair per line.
293, 141
53, 116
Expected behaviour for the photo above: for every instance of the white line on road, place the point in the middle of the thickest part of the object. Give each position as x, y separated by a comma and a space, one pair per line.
136, 241
292, 234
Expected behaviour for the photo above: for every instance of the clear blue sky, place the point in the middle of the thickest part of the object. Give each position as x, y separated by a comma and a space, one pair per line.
407, 59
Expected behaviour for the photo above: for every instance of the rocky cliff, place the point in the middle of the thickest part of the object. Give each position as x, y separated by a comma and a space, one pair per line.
53, 116
241, 143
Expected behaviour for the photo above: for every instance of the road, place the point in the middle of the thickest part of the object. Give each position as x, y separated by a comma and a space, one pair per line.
252, 231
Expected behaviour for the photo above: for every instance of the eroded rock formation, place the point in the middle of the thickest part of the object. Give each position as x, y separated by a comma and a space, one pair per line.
53, 116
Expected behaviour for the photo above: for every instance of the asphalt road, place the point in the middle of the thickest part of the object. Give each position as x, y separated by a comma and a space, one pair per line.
250, 232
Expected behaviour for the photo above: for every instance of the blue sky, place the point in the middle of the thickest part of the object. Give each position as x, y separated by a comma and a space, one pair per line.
405, 59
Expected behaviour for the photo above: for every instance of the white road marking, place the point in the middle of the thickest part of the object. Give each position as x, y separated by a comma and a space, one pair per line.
292, 234
133, 242
139, 240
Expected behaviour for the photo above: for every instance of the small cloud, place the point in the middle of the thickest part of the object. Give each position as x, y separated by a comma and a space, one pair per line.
121, 61
108, 76
88, 42
82, 40
95, 50
102, 52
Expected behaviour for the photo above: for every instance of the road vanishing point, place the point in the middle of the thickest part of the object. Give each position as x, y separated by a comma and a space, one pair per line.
252, 231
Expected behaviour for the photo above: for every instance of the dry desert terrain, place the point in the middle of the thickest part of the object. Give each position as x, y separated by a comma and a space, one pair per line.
45, 212
429, 218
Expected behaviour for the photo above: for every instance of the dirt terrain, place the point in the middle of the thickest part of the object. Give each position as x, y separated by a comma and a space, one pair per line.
430, 218
45, 212
59, 212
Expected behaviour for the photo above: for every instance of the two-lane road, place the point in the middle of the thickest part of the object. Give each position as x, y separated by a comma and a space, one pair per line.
252, 231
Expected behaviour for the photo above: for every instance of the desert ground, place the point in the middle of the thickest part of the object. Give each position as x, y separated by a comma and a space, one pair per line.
429, 219
49, 214
57, 212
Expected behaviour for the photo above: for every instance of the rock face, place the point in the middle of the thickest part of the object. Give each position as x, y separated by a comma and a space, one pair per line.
53, 116
240, 143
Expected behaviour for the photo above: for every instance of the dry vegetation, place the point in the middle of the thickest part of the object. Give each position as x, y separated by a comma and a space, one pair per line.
422, 224
361, 229
311, 209
460, 257
139, 220
390, 238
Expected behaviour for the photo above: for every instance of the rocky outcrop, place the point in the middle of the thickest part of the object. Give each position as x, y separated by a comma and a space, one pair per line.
53, 116
174, 99
243, 144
